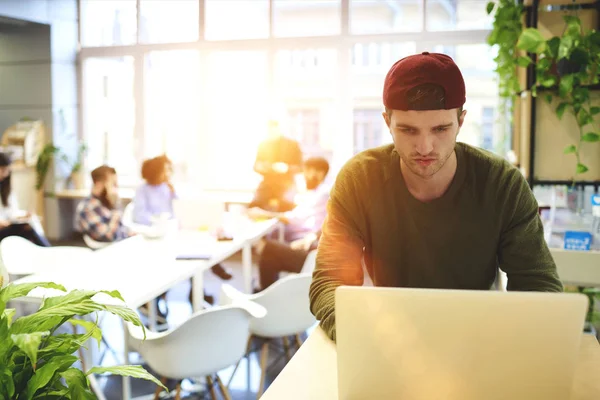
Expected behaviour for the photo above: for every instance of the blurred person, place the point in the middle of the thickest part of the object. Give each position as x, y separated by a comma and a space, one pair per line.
310, 207
99, 215
13, 220
278, 160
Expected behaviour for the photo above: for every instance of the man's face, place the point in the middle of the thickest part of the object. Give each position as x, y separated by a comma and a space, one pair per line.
313, 177
424, 139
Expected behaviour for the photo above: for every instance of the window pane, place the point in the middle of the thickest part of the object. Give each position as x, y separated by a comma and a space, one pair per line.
369, 129
368, 16
305, 85
109, 114
172, 89
237, 114
481, 127
376, 58
108, 22
306, 17
236, 19
168, 21
443, 15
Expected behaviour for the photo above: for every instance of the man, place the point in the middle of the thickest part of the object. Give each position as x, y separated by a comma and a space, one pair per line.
310, 207
426, 211
98, 215
278, 160
275, 257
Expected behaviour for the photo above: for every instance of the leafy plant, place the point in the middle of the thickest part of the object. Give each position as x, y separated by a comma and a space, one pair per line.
505, 34
593, 294
81, 152
37, 363
44, 161
566, 66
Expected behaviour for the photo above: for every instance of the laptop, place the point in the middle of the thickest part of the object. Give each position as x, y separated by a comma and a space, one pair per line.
199, 214
422, 344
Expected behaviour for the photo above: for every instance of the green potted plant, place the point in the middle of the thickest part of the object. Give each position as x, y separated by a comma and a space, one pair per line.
38, 363
566, 68
77, 177
592, 318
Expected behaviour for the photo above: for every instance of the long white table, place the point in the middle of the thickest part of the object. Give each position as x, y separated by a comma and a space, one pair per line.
142, 269
312, 372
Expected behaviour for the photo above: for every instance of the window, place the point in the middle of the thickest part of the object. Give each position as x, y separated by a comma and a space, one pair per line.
172, 100
487, 128
168, 21
368, 16
108, 22
236, 19
236, 117
304, 128
109, 117
306, 17
369, 128
206, 100
446, 15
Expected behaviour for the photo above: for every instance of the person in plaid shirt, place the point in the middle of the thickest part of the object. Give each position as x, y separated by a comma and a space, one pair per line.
98, 215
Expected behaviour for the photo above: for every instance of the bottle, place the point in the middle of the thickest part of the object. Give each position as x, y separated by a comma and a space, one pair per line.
595, 230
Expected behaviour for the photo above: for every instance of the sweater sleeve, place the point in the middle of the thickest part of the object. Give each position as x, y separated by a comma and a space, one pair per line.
339, 252
523, 253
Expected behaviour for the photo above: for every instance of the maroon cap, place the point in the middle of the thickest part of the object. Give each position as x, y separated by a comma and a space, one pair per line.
425, 68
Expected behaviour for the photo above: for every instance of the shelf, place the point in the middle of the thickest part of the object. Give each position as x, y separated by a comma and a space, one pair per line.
565, 183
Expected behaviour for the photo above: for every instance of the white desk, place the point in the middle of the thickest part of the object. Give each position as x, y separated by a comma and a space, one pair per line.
312, 372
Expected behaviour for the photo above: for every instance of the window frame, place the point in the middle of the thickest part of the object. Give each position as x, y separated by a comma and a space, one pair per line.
342, 43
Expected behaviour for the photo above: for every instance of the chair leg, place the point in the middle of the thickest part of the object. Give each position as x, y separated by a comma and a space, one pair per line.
286, 346
211, 385
247, 355
223, 389
298, 340
263, 368
159, 389
178, 391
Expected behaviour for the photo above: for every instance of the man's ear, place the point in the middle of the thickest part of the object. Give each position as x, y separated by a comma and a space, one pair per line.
461, 118
386, 118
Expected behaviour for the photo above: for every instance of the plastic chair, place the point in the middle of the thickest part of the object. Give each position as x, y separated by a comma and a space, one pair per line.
208, 342
288, 314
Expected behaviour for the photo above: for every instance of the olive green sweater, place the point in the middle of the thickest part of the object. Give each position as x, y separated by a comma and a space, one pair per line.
488, 218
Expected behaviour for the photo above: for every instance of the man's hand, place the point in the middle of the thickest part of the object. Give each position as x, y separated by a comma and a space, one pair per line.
4, 223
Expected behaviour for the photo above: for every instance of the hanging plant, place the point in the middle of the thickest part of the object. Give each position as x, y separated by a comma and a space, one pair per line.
566, 67
507, 29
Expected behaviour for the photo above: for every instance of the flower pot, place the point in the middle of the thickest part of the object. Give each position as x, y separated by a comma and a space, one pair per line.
78, 180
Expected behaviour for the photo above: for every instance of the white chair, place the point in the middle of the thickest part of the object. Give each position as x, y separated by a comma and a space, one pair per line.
21, 257
208, 342
94, 244
288, 313
308, 267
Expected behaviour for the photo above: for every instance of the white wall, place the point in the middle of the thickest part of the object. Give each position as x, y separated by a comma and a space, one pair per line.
38, 78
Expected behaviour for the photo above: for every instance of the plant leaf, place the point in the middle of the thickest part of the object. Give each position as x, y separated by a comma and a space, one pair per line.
565, 47
552, 47
548, 98
46, 372
581, 168
7, 386
91, 328
590, 137
583, 118
127, 315
573, 25
570, 149
12, 291
566, 85
594, 110
490, 7
63, 344
30, 343
560, 109
78, 384
9, 314
134, 371
532, 41
523, 61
